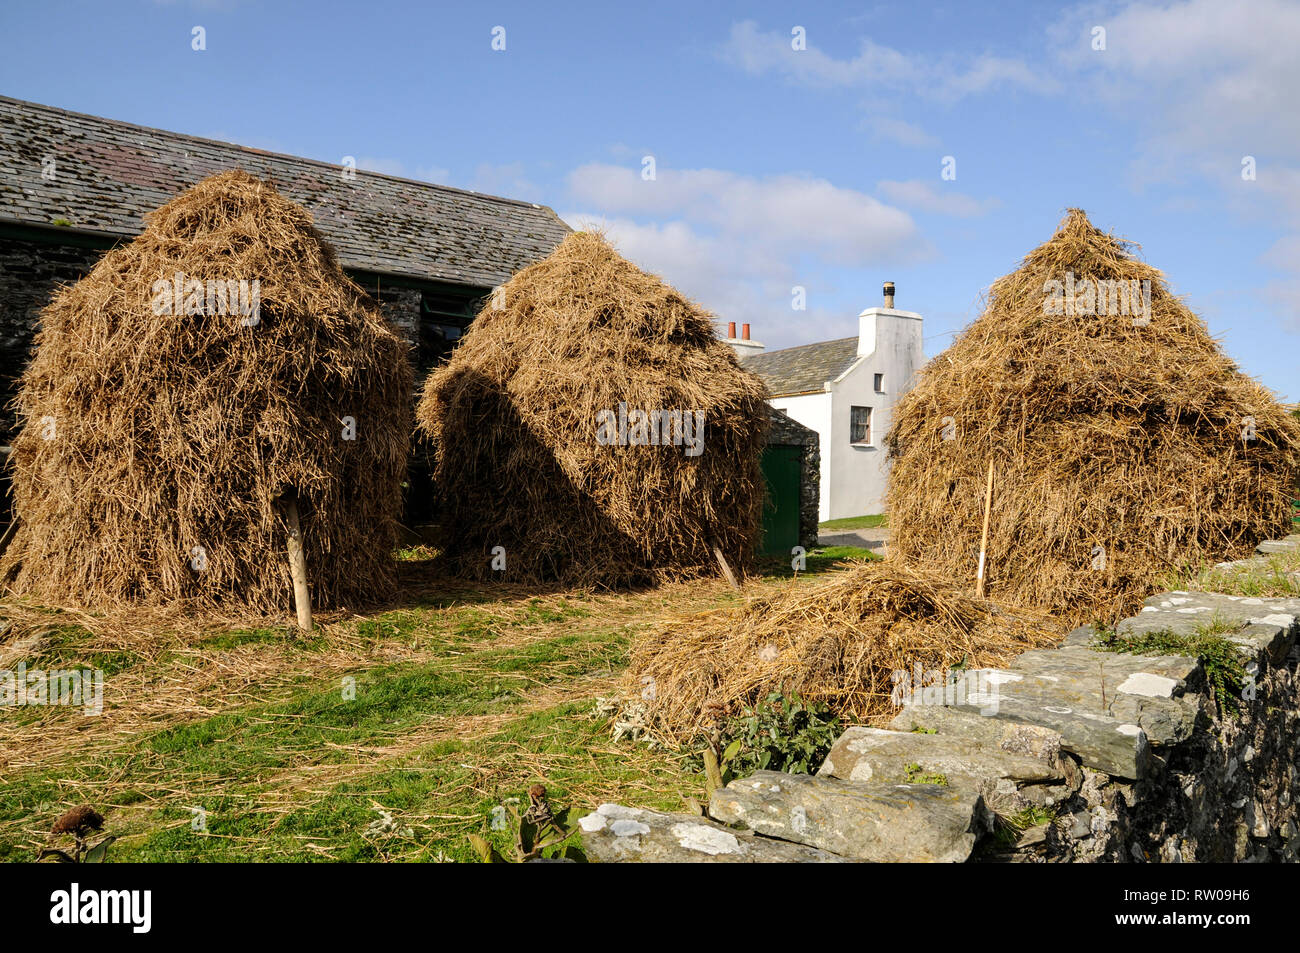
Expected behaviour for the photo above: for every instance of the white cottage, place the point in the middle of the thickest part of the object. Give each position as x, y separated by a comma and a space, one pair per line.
845, 390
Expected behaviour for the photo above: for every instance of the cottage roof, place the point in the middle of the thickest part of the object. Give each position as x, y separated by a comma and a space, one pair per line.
804, 369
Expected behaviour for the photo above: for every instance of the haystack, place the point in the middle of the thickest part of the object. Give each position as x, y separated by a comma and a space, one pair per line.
1125, 445
592, 427
853, 642
166, 420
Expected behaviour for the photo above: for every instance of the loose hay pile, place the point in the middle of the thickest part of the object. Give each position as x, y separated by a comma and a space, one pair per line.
1119, 454
515, 420
1118, 444
840, 642
155, 447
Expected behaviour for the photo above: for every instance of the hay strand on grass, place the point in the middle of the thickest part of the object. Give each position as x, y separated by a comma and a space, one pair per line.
514, 421
839, 641
155, 447
1118, 439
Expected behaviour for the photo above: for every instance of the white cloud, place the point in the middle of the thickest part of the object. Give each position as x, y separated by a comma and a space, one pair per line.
222, 5
876, 66
739, 244
1284, 295
382, 166
732, 281
1285, 253
505, 179
1210, 82
898, 130
736, 281
435, 174
914, 193
1280, 185
789, 213
1228, 63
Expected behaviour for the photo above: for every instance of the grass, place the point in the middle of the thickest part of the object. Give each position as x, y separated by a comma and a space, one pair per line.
917, 775
243, 743
1276, 575
819, 560
828, 557
855, 522
265, 743
416, 552
69, 646
1009, 828
1220, 659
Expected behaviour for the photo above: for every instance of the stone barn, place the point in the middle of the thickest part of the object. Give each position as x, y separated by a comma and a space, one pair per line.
76, 185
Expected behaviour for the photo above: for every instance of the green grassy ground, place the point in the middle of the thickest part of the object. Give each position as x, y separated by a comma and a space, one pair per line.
854, 522
459, 700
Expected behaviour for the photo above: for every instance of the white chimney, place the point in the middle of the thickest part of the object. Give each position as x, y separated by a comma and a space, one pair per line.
869, 325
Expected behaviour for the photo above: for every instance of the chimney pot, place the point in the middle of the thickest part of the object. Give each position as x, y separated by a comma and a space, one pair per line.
889, 294
731, 329
744, 332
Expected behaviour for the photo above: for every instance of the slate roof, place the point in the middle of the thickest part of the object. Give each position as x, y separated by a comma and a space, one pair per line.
109, 173
804, 369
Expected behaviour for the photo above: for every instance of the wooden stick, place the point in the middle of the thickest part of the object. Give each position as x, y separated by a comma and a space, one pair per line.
984, 536
726, 570
9, 533
298, 565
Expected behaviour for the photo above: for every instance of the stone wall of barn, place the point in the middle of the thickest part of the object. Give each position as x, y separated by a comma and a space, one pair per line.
29, 274
31, 271
400, 305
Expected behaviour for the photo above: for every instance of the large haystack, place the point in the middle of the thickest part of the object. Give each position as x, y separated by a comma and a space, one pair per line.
532, 450
856, 641
157, 447
1118, 442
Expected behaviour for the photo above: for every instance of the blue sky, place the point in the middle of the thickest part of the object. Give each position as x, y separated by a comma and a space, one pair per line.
774, 168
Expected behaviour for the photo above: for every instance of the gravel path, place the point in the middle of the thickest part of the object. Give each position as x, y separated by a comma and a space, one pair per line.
874, 538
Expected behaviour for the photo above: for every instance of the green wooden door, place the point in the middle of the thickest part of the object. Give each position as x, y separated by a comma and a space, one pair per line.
781, 470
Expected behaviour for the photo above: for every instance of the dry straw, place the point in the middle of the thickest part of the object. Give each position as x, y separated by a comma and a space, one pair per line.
156, 450
1124, 448
513, 421
839, 642
1118, 448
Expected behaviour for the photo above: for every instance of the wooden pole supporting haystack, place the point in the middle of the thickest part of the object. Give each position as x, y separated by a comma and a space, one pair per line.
984, 536
9, 533
298, 564
726, 570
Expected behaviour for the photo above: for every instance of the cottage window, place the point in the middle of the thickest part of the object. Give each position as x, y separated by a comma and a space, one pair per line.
860, 426
880, 383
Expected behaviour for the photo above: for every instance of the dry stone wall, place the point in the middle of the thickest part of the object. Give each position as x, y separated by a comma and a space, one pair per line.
1071, 754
